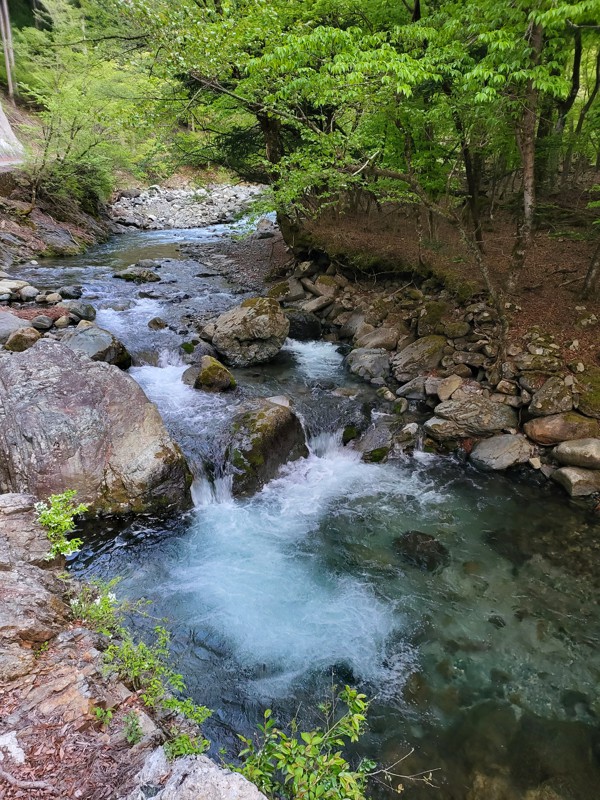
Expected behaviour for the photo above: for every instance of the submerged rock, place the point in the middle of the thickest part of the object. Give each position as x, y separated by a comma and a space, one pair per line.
98, 344
422, 550
501, 452
72, 423
263, 439
252, 333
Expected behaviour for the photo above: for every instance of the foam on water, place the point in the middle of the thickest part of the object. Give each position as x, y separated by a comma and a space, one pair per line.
316, 360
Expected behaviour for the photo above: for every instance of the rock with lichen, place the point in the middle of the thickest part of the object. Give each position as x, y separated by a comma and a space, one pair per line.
251, 333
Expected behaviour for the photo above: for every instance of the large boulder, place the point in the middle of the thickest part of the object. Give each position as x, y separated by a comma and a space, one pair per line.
137, 274
472, 416
577, 481
98, 344
264, 438
421, 356
501, 452
579, 453
252, 333
68, 422
561, 428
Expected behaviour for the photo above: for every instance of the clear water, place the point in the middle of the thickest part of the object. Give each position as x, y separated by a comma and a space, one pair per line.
488, 668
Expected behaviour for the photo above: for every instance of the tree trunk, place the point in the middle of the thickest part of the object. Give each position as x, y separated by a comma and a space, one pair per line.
590, 284
526, 135
9, 58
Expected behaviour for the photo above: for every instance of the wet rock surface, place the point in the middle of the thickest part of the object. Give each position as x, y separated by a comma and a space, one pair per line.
263, 439
502, 452
98, 344
72, 423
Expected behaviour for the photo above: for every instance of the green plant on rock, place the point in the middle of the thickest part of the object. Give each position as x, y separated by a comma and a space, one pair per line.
57, 516
132, 728
103, 715
183, 744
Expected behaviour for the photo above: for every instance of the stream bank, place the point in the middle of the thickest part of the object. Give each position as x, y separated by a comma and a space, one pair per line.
486, 665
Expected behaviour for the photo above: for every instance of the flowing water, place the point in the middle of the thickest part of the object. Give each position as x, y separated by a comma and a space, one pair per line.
488, 668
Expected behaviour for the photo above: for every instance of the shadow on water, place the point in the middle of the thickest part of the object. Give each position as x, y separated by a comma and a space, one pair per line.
487, 666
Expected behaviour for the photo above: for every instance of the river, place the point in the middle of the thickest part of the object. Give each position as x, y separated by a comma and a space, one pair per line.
485, 672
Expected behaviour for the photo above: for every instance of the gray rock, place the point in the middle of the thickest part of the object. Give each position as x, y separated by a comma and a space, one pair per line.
70, 292
22, 339
11, 286
10, 323
552, 398
472, 415
28, 293
421, 356
157, 324
252, 333
352, 325
414, 389
447, 386
501, 452
71, 423
263, 439
53, 298
42, 322
377, 441
577, 481
304, 326
381, 338
190, 778
370, 365
287, 291
98, 344
137, 275
318, 304
213, 376
81, 310
579, 453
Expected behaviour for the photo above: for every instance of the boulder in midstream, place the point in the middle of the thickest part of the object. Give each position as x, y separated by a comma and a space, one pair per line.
263, 439
251, 333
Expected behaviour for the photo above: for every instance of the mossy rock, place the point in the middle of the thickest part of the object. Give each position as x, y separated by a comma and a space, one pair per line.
278, 291
263, 439
213, 376
589, 399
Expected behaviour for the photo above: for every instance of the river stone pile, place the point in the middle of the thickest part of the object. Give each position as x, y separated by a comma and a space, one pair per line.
156, 208
72, 423
425, 351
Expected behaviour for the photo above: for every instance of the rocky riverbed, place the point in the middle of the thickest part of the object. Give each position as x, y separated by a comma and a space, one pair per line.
400, 368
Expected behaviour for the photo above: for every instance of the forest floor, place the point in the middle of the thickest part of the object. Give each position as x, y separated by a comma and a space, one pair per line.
385, 242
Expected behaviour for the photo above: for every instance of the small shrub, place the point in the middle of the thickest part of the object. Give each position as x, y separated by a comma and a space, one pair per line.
57, 516
132, 728
182, 744
103, 715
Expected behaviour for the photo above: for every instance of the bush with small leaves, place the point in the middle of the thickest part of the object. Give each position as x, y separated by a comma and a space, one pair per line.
57, 516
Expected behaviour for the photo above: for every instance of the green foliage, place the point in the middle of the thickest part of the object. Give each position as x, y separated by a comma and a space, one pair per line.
103, 715
310, 765
132, 728
182, 744
57, 516
96, 604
